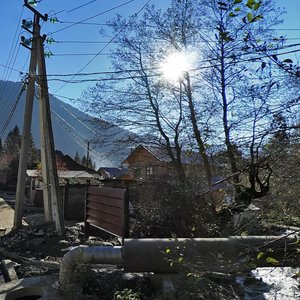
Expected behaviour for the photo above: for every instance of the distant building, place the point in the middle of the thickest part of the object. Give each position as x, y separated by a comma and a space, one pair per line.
153, 163
114, 173
70, 174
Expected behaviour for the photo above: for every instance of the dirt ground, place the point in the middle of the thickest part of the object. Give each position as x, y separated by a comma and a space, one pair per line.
39, 242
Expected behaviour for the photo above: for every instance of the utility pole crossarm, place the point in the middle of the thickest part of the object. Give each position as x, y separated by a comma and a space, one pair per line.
37, 13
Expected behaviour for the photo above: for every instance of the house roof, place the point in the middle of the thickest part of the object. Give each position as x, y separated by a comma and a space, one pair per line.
62, 174
113, 172
161, 153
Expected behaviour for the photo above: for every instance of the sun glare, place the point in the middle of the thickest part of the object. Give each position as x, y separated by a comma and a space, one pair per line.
176, 64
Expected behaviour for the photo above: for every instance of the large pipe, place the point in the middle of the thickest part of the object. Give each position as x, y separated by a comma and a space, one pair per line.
151, 255
87, 255
154, 255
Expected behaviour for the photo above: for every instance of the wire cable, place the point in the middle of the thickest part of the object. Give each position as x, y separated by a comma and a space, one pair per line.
66, 126
76, 118
160, 74
80, 6
12, 111
10, 60
94, 16
103, 48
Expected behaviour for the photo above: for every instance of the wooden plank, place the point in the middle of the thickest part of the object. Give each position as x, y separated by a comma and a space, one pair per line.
107, 201
107, 192
116, 211
105, 217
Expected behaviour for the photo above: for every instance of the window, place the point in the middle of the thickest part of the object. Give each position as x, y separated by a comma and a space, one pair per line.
137, 173
150, 172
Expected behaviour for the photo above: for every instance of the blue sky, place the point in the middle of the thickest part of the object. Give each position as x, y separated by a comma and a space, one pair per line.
17, 57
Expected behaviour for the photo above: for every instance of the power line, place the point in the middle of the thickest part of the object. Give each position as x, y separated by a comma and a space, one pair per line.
159, 41
10, 68
94, 16
76, 118
80, 6
12, 111
103, 48
10, 60
72, 127
84, 23
160, 74
64, 124
148, 52
80, 54
96, 73
148, 69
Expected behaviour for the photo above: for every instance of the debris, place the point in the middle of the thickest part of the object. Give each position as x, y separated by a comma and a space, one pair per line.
8, 270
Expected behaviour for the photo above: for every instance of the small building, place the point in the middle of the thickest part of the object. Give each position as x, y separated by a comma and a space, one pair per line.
73, 185
113, 173
154, 163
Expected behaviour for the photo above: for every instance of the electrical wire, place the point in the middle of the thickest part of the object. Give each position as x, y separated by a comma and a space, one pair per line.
194, 69
10, 68
66, 126
94, 16
76, 118
158, 41
80, 6
12, 111
11, 59
103, 48
160, 74
151, 52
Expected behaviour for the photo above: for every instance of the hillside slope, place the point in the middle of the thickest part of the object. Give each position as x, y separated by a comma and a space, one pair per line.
72, 128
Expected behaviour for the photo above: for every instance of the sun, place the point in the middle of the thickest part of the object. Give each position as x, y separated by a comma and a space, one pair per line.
174, 66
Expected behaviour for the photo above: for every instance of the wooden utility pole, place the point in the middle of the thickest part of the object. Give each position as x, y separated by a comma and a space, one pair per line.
51, 191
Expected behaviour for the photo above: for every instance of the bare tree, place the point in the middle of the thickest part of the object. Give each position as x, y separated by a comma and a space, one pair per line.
224, 97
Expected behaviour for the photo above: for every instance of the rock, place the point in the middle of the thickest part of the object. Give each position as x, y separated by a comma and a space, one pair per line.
40, 232
24, 235
37, 242
63, 242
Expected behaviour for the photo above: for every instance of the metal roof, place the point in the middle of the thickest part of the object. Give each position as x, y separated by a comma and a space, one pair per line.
62, 174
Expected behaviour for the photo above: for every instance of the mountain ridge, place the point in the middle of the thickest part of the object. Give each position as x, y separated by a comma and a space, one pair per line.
72, 128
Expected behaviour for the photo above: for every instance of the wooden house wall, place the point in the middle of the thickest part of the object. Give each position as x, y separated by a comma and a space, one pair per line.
142, 160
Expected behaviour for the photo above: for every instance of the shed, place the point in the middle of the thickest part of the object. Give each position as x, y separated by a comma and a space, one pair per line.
73, 186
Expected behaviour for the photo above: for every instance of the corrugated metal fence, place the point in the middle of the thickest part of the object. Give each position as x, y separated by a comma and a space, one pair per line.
107, 209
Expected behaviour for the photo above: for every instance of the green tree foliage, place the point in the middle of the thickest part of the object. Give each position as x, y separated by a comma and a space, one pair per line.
11, 152
88, 163
12, 144
34, 154
77, 157
83, 160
